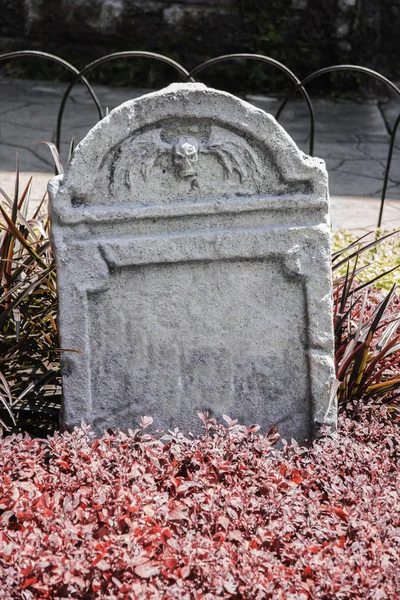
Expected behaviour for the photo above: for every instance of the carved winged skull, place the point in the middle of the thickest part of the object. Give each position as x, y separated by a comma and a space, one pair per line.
184, 156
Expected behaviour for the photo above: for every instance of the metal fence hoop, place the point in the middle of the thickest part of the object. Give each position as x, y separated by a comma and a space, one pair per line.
278, 65
375, 75
107, 58
59, 61
387, 169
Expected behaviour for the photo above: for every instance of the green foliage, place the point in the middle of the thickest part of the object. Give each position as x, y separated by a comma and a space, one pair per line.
301, 39
120, 72
372, 261
304, 37
302, 34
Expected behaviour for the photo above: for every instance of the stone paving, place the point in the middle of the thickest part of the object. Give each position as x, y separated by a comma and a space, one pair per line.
352, 138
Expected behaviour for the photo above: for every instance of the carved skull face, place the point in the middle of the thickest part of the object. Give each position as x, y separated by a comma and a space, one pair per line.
186, 157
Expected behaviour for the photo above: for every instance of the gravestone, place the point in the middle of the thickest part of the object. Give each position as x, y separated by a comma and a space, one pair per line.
193, 259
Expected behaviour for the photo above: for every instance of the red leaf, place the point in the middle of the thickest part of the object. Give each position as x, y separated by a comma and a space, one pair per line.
339, 512
297, 479
223, 521
229, 421
176, 515
308, 572
145, 422
177, 511
230, 586
98, 558
235, 535
29, 581
101, 532
170, 563
166, 534
64, 464
147, 570
254, 428
185, 572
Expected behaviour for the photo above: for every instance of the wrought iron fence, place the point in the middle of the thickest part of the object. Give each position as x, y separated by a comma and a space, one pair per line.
185, 75
50, 398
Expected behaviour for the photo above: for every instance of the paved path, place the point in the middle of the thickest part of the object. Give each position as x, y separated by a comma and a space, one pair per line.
352, 138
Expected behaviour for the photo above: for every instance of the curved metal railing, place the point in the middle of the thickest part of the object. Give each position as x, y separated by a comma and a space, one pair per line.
109, 57
370, 73
53, 58
299, 86
274, 63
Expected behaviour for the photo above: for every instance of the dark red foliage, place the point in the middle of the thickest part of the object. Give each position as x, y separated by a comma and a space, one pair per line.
225, 516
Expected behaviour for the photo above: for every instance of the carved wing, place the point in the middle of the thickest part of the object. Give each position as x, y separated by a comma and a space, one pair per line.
233, 156
130, 153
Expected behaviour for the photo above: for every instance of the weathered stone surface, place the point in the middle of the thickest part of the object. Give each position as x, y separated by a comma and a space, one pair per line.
192, 245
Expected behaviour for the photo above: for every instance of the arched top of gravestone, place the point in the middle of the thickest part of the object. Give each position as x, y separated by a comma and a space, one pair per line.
184, 144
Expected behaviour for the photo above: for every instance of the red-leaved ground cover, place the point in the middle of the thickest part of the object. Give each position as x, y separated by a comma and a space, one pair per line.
225, 516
